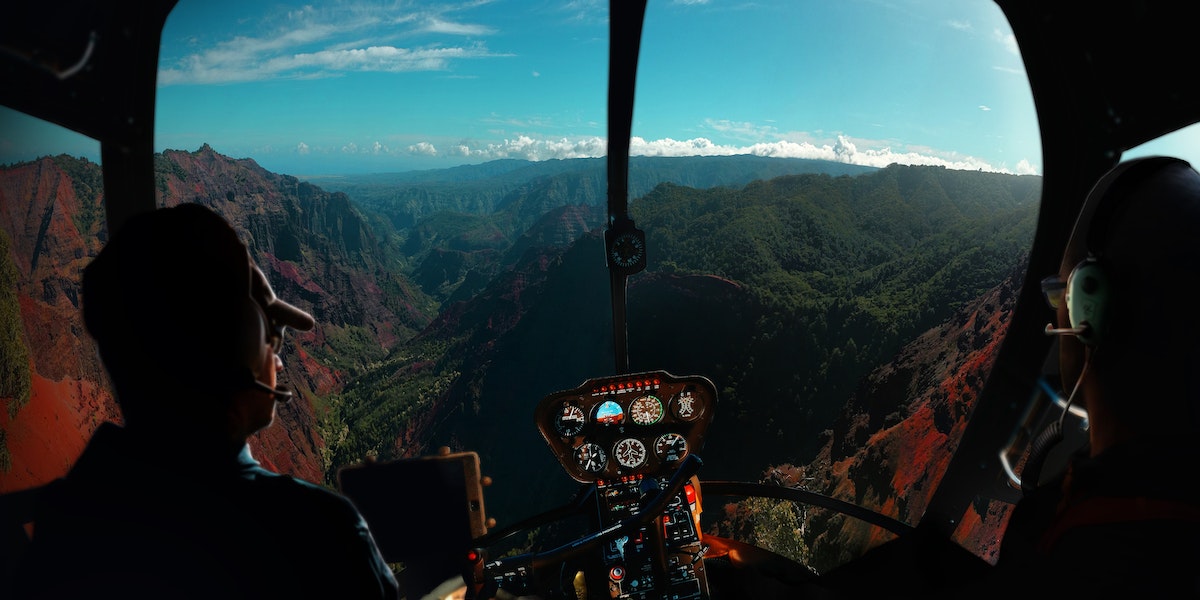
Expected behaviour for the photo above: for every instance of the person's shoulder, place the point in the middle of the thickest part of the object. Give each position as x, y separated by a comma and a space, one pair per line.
293, 494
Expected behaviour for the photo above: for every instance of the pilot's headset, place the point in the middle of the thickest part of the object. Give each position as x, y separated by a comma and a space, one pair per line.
1090, 293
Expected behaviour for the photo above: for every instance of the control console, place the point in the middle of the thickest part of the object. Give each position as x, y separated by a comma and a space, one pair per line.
626, 435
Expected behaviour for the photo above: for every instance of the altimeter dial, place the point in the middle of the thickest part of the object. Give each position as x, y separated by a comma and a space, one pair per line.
646, 410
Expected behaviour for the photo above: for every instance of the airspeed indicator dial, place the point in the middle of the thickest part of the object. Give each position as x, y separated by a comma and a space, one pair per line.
570, 420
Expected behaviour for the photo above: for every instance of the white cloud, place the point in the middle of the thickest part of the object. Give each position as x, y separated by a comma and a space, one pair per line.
423, 149
843, 149
1008, 40
1024, 167
318, 43
985, 108
437, 25
960, 25
302, 148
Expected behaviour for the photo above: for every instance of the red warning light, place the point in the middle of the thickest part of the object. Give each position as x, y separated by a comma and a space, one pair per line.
690, 493
472, 556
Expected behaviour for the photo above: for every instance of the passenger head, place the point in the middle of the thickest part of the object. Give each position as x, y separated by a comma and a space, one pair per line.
182, 317
1132, 262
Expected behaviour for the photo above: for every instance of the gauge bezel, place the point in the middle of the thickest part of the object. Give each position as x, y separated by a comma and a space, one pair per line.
624, 390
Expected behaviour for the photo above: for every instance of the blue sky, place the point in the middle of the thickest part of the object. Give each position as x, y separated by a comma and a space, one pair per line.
370, 86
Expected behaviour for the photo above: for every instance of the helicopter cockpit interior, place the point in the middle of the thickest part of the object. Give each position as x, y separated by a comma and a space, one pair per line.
675, 299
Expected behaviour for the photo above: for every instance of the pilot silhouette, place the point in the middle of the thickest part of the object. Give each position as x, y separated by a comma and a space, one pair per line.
171, 504
1123, 517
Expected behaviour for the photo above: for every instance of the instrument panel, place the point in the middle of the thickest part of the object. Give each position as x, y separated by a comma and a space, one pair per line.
627, 425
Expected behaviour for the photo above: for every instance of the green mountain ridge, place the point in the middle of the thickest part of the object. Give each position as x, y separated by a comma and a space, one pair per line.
817, 292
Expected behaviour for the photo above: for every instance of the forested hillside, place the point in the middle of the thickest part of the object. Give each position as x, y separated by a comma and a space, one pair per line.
446, 329
786, 292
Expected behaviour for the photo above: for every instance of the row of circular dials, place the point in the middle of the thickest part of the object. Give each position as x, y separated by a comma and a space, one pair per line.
630, 453
644, 410
630, 424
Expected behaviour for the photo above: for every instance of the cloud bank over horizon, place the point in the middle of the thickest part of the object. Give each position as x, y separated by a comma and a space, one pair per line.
843, 149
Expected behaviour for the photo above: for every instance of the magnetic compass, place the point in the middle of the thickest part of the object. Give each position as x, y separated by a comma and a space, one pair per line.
626, 250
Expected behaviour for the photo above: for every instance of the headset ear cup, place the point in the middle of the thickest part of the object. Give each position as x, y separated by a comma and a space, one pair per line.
1088, 300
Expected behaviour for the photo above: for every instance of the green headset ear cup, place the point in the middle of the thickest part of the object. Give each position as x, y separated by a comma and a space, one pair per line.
1088, 300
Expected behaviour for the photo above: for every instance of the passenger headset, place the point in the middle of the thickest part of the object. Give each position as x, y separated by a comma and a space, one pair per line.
1089, 293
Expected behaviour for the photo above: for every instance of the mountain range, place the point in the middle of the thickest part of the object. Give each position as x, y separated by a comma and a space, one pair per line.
450, 302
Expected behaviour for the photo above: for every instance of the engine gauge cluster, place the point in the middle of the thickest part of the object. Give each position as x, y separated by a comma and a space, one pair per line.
627, 425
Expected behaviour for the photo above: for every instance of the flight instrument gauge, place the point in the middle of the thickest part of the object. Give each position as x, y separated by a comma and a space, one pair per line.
670, 447
630, 453
591, 458
610, 413
628, 249
684, 406
646, 410
570, 420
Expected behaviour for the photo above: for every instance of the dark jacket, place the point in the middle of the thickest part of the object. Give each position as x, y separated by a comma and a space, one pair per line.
1122, 524
131, 521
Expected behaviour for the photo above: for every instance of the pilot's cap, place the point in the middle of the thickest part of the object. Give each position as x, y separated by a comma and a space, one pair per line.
173, 288
276, 310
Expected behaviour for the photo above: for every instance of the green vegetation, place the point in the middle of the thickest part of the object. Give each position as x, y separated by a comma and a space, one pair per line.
88, 183
841, 271
15, 379
778, 526
833, 274
349, 348
365, 420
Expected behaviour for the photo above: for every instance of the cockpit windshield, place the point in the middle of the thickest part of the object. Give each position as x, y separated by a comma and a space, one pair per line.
837, 198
